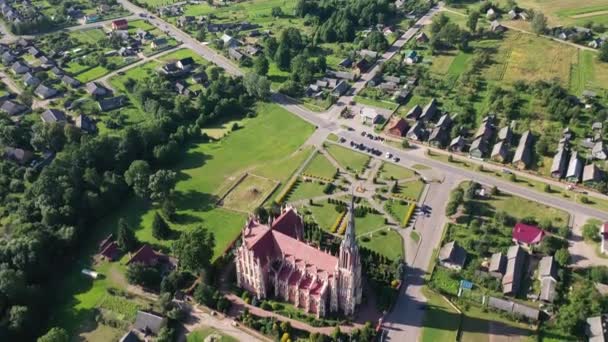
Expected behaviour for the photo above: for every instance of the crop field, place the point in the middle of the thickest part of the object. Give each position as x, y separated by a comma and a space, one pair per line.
249, 193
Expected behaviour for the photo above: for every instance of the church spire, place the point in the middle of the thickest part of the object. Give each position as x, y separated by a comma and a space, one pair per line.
349, 235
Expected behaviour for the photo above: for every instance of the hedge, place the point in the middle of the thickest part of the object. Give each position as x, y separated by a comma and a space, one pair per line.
286, 191
408, 215
336, 224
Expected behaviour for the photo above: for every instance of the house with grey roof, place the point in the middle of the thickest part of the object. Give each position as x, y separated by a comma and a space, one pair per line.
560, 161
525, 311
444, 121
486, 129
149, 323
479, 148
523, 154
417, 132
70, 81
498, 264
429, 111
505, 134
30, 80
592, 174
452, 256
596, 328
439, 136
8, 58
495, 26
96, 90
599, 151
235, 54
340, 88
13, 108
18, 155
457, 144
500, 152
414, 113
547, 275
130, 336
45, 92
112, 103
513, 273
20, 68
53, 115
86, 124
575, 168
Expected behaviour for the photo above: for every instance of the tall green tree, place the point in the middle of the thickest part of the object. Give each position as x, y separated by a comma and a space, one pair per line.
603, 55
161, 184
160, 228
260, 65
194, 249
125, 237
539, 23
472, 21
55, 335
137, 177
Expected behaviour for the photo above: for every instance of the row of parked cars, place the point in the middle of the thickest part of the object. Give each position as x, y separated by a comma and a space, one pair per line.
371, 150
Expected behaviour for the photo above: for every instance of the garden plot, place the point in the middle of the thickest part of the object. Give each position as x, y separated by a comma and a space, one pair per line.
249, 193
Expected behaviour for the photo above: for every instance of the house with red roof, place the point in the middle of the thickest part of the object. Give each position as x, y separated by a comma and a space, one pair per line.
604, 234
146, 255
108, 249
527, 235
273, 260
398, 127
120, 24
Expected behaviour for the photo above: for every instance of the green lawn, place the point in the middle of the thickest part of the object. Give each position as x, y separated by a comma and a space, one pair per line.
520, 208
350, 160
134, 25
412, 189
306, 190
324, 214
368, 223
386, 242
392, 171
441, 321
320, 167
397, 209
390, 105
200, 335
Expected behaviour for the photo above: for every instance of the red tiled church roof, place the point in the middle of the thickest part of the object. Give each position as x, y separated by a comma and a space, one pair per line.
279, 242
528, 234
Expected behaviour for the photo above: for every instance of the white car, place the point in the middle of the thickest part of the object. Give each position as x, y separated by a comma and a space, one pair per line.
389, 155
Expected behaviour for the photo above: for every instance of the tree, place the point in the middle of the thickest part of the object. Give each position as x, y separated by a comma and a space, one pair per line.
472, 21
277, 12
161, 184
137, 176
125, 237
539, 23
194, 249
562, 256
54, 335
18, 317
603, 55
168, 209
160, 228
201, 35
591, 232
140, 274
257, 86
260, 65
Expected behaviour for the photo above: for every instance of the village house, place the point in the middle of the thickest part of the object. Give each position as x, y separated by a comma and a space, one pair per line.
112, 103
70, 81
53, 116
411, 57
13, 108
599, 151
45, 92
429, 111
513, 273
457, 144
486, 129
478, 148
499, 152
108, 249
452, 256
498, 264
18, 155
547, 275
398, 127
505, 134
159, 43
235, 54
604, 236
422, 38
343, 75
417, 132
527, 235
120, 24
595, 329
414, 113
369, 115
523, 153
439, 136
361, 66
491, 14
149, 323
560, 161
86, 124
30, 80
340, 88
20, 68
592, 175
495, 26
147, 256
96, 90
575, 168
368, 54
229, 41
185, 64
